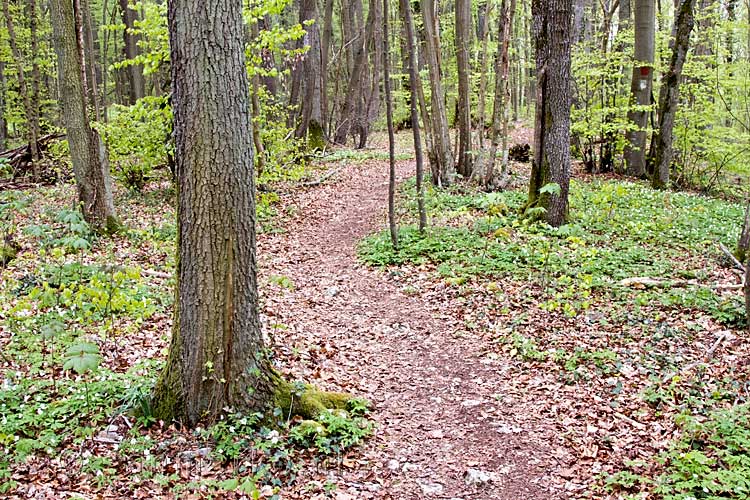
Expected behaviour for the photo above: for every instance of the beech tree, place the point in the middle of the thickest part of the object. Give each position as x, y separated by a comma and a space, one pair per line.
551, 165
87, 152
217, 356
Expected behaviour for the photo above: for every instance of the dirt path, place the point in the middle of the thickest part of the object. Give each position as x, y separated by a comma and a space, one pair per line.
444, 407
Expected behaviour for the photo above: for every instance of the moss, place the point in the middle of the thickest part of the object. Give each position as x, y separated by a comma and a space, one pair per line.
112, 225
307, 402
315, 136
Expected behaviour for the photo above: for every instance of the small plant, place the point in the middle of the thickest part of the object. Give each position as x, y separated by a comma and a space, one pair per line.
82, 357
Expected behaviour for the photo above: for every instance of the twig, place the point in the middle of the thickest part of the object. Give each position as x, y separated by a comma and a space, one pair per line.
731, 256
324, 178
155, 274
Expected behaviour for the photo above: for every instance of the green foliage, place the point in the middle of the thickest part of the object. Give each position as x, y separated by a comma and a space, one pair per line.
138, 138
82, 357
334, 431
708, 461
618, 230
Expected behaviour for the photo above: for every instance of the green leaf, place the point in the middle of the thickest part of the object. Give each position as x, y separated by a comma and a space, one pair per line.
82, 357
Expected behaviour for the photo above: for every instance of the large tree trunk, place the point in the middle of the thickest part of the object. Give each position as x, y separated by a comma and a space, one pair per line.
441, 158
31, 108
669, 94
463, 41
640, 87
552, 22
134, 72
415, 84
87, 152
217, 357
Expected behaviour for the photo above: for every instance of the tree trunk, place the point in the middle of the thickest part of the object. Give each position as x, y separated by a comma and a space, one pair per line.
743, 244
89, 61
415, 84
640, 87
483, 32
552, 23
500, 107
443, 167
3, 104
391, 136
217, 357
463, 41
311, 121
669, 94
134, 72
87, 152
32, 119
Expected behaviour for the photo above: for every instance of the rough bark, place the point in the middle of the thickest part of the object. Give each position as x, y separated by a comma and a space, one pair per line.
463, 41
552, 35
134, 72
415, 84
87, 152
669, 94
640, 87
30, 108
217, 356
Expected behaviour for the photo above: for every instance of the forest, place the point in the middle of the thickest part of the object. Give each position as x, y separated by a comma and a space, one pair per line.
375, 249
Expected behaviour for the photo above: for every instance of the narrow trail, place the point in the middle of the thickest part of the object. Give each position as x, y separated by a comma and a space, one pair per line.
442, 405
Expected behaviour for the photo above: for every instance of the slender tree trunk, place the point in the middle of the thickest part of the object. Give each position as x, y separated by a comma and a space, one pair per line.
134, 72
32, 119
391, 136
3, 104
640, 87
463, 41
89, 61
36, 78
87, 152
325, 47
484, 39
415, 85
443, 167
552, 20
669, 94
743, 244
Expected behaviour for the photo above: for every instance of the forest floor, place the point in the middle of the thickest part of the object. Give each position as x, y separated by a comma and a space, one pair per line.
449, 418
502, 359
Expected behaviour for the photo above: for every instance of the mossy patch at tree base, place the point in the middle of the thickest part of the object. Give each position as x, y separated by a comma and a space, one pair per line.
308, 402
